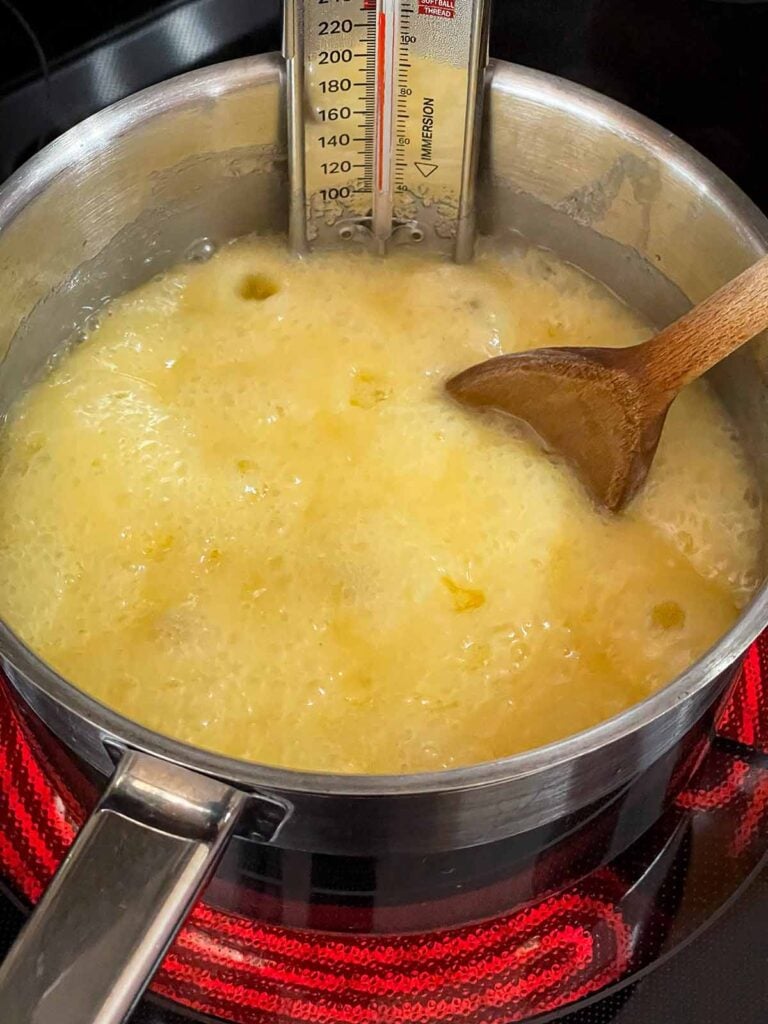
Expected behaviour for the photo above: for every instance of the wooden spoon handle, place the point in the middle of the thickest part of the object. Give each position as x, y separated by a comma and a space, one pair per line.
712, 330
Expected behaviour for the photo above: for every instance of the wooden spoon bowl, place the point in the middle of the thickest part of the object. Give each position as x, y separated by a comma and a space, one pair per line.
603, 409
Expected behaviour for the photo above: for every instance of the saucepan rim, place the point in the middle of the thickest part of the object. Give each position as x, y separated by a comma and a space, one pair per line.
37, 174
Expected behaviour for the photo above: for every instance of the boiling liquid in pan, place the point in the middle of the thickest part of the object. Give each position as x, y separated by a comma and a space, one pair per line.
176, 495
231, 506
385, 104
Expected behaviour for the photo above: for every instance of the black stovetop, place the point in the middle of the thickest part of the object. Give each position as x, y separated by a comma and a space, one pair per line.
696, 66
721, 977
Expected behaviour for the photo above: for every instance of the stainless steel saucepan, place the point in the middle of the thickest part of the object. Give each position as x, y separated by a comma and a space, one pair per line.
192, 163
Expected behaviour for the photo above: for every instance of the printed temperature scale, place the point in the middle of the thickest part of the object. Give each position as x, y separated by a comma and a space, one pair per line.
384, 115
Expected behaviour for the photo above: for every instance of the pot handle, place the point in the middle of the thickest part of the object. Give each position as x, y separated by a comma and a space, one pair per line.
101, 929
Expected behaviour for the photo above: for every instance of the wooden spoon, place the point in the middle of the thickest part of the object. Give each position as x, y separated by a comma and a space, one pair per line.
603, 409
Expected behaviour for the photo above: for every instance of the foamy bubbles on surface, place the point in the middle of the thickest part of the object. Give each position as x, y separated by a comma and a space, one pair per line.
244, 512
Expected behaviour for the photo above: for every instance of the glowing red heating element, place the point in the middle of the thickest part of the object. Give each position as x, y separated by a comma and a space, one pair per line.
530, 961
524, 963
744, 718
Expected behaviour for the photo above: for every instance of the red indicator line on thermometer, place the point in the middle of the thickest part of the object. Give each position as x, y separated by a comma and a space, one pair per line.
383, 100
381, 97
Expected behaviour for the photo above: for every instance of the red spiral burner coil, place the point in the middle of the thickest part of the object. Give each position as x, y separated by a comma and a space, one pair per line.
533, 960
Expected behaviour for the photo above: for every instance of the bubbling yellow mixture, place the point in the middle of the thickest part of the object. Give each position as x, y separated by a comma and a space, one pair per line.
245, 513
